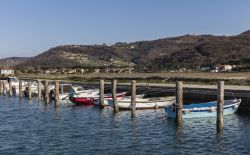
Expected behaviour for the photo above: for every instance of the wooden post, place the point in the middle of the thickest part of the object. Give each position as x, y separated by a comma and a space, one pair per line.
10, 88
4, 88
179, 102
220, 104
46, 92
20, 89
1, 87
116, 108
56, 94
133, 98
39, 91
101, 93
30, 95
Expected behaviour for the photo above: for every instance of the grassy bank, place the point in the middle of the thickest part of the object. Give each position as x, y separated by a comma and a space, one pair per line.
238, 78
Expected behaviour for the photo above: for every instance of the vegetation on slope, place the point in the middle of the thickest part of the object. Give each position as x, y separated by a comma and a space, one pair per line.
189, 51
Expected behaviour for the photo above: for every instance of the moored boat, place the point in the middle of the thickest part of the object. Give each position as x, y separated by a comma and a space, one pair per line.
89, 98
144, 103
34, 87
208, 109
64, 93
15, 84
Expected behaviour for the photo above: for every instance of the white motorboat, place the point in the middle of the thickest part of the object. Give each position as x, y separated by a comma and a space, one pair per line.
144, 103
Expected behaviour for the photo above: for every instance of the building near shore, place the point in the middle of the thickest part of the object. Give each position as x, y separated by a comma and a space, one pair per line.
7, 71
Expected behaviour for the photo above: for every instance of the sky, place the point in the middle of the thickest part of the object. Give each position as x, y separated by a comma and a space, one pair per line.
30, 27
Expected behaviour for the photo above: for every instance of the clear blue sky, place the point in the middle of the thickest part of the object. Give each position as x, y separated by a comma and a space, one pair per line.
29, 27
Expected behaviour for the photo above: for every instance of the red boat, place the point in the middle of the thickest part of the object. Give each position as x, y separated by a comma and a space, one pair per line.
82, 100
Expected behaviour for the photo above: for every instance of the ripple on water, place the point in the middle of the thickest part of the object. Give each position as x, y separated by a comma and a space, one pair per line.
30, 128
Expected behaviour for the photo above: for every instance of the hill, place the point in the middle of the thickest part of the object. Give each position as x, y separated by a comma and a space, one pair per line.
12, 61
189, 51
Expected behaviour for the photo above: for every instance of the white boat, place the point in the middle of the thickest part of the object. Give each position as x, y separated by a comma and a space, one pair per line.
92, 97
68, 90
144, 103
25, 86
64, 99
64, 93
34, 87
15, 84
208, 109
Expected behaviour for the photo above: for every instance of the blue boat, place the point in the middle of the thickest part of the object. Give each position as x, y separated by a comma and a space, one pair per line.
208, 109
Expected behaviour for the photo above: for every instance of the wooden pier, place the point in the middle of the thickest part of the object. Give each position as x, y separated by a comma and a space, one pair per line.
184, 94
101, 93
220, 104
10, 88
39, 95
114, 84
20, 88
179, 102
133, 98
1, 87
46, 92
56, 94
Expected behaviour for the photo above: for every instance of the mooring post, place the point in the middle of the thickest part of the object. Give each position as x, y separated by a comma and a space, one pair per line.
46, 92
39, 90
133, 97
220, 104
56, 95
20, 89
1, 87
179, 102
4, 87
101, 93
10, 88
30, 95
114, 84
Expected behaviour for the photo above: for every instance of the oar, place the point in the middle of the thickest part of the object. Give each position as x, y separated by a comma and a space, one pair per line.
71, 93
66, 97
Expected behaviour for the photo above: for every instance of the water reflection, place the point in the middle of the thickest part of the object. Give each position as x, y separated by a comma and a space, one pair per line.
47, 107
89, 130
219, 138
56, 110
30, 102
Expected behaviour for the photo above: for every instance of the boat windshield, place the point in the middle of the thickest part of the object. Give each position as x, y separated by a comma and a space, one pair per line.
80, 89
65, 89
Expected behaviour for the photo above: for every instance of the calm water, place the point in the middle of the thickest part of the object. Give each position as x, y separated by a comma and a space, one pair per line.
30, 128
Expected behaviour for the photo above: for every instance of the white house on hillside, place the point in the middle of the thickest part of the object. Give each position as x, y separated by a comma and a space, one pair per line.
227, 67
6, 71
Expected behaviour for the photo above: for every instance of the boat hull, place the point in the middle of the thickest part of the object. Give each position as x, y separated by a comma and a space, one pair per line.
95, 100
64, 100
82, 100
204, 112
125, 104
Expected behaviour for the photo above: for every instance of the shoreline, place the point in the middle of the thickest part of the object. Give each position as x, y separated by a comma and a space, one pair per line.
200, 78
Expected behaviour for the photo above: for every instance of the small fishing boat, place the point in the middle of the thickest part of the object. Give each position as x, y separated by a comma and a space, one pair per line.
15, 84
90, 96
207, 109
109, 101
64, 91
143, 103
34, 87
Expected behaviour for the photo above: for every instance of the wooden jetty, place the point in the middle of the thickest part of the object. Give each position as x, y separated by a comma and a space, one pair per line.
114, 84
182, 92
192, 93
133, 97
101, 83
179, 102
46, 92
220, 104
